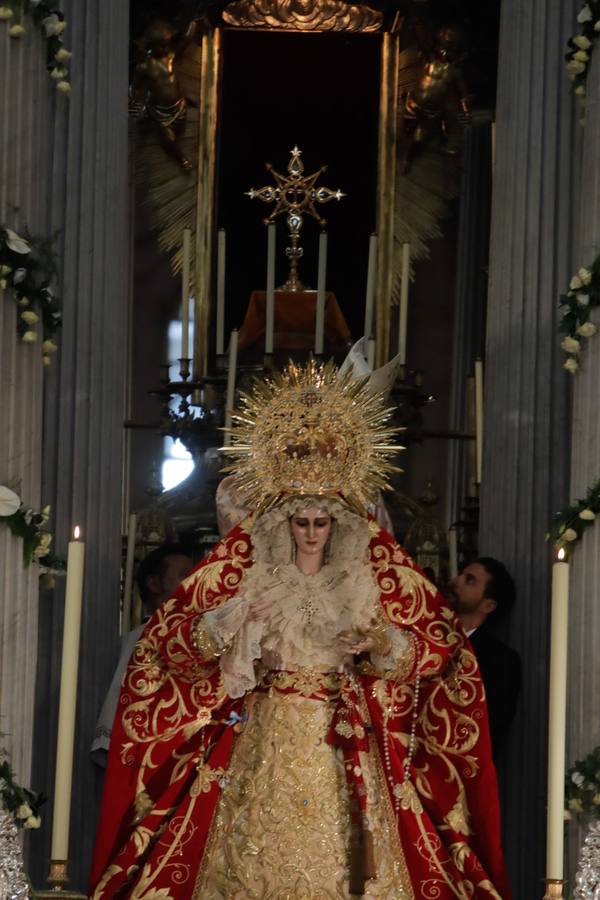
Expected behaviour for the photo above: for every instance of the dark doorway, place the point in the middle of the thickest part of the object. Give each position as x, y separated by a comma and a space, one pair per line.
321, 92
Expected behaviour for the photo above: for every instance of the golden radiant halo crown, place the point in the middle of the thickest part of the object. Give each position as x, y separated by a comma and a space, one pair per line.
312, 431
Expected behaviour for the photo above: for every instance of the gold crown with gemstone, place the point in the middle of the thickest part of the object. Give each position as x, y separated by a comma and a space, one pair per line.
311, 430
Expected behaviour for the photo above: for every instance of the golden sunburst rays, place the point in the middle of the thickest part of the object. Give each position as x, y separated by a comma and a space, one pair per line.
310, 431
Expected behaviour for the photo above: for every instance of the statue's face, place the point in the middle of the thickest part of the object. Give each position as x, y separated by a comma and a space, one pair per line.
311, 528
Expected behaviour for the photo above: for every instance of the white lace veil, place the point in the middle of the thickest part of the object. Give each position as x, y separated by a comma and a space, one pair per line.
272, 535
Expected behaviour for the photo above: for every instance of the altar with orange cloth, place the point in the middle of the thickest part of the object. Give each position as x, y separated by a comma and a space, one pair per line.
294, 325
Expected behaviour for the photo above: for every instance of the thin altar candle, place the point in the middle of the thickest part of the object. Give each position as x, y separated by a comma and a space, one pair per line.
479, 417
557, 719
371, 353
321, 281
270, 311
370, 285
452, 553
230, 399
403, 311
68, 700
128, 580
220, 292
185, 294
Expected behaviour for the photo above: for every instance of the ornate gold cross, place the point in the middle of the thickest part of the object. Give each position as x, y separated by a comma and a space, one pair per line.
295, 194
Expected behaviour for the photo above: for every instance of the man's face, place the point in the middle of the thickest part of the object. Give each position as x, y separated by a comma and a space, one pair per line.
468, 590
175, 569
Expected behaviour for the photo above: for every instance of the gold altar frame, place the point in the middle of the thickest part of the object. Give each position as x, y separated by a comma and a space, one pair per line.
325, 15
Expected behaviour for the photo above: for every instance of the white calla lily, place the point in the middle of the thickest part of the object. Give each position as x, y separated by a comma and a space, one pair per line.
570, 344
9, 501
15, 242
588, 515
584, 15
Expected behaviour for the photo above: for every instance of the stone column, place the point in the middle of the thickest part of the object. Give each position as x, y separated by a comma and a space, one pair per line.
84, 410
26, 98
526, 444
584, 626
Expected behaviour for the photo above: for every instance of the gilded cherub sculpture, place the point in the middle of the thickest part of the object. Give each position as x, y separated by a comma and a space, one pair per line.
438, 104
155, 88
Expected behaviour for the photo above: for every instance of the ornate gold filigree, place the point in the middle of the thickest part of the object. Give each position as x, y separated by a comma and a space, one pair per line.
205, 779
312, 431
143, 805
303, 15
306, 682
204, 642
408, 797
458, 817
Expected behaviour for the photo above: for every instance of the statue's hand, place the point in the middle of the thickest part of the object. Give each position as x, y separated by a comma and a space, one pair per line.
356, 642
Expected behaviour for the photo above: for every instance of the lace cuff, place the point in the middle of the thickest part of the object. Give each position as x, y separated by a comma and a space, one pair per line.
238, 644
223, 623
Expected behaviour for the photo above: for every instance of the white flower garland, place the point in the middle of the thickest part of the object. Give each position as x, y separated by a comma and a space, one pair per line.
24, 522
28, 269
569, 525
48, 17
575, 307
581, 45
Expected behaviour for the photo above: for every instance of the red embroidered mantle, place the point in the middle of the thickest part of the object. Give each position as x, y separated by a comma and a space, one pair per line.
174, 732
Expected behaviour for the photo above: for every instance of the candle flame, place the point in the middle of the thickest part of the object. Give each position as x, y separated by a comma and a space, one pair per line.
76, 532
561, 553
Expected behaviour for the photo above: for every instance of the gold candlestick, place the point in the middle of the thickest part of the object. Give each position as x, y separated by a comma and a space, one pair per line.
57, 879
554, 889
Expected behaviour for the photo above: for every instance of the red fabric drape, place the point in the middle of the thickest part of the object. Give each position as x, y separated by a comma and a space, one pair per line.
175, 729
294, 321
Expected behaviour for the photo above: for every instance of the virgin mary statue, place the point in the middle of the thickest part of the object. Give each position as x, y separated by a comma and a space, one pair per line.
304, 718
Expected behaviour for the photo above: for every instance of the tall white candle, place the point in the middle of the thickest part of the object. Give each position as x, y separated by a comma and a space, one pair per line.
270, 311
469, 426
479, 417
371, 353
452, 553
321, 281
185, 294
68, 700
557, 719
370, 286
128, 580
230, 399
220, 292
403, 311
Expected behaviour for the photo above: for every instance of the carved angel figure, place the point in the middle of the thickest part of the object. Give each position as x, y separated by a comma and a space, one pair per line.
439, 102
155, 87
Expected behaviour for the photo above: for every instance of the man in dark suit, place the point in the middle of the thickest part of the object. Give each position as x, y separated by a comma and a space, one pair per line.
485, 591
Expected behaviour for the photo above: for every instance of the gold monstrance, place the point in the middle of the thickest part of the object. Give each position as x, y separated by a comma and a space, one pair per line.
295, 194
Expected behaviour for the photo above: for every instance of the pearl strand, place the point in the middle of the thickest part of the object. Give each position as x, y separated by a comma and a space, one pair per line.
412, 742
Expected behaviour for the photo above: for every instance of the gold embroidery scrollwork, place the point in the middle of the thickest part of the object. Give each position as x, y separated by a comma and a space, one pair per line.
205, 779
305, 682
408, 797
